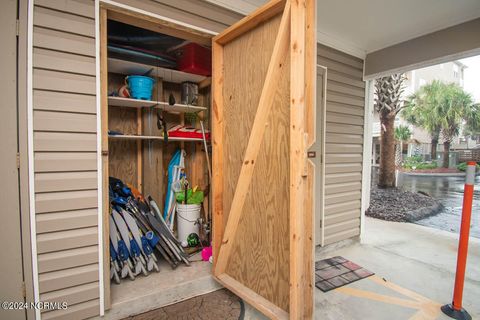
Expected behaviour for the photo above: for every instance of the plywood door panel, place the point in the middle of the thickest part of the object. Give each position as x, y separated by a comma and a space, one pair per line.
263, 254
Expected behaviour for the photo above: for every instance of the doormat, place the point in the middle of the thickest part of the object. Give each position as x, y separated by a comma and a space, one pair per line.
336, 272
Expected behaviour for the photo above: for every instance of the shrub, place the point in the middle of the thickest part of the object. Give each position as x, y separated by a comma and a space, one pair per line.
463, 166
426, 166
418, 163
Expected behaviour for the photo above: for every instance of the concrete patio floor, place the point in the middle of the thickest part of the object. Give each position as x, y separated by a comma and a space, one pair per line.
414, 275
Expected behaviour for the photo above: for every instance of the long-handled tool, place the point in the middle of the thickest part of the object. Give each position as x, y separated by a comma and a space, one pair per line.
159, 224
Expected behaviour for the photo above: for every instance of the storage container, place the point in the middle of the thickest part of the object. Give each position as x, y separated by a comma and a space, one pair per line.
194, 58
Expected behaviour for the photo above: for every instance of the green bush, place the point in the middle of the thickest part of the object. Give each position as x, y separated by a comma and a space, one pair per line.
418, 163
463, 166
426, 166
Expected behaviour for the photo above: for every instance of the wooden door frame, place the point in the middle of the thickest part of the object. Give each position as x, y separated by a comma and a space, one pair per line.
300, 18
130, 15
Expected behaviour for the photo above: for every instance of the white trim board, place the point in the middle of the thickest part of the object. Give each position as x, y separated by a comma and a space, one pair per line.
100, 226
340, 45
239, 6
367, 153
156, 16
31, 162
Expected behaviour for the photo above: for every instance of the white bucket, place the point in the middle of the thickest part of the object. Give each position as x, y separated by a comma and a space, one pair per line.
187, 220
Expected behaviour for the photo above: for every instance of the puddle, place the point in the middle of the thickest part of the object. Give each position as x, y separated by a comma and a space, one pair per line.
449, 191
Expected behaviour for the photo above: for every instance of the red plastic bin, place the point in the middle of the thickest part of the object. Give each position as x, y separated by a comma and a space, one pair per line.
194, 58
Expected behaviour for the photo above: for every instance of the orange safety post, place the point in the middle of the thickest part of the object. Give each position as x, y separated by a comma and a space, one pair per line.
455, 309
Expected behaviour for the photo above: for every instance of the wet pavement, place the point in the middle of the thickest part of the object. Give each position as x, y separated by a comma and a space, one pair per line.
449, 191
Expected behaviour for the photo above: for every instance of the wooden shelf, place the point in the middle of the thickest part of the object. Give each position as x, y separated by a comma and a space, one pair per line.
135, 103
135, 137
134, 68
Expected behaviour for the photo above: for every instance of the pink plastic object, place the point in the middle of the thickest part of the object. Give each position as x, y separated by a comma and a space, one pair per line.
206, 253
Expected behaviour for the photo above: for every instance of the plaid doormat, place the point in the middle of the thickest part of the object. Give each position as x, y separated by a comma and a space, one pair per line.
336, 272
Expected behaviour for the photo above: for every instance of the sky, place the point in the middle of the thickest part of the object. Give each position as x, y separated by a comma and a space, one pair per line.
471, 79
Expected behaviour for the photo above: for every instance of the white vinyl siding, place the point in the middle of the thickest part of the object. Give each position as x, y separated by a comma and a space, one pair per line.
65, 142
343, 143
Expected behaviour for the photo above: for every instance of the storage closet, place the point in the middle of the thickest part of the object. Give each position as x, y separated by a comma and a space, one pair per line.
138, 132
262, 92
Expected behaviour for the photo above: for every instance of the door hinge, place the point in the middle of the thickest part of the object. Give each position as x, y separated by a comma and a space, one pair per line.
17, 27
18, 160
24, 289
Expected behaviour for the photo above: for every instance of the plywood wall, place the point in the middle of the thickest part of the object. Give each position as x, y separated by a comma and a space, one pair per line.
260, 257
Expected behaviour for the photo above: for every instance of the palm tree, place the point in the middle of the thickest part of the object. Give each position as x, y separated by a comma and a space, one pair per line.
402, 134
417, 112
441, 109
388, 92
456, 107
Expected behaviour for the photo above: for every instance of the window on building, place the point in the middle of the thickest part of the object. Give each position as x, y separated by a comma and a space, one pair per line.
455, 71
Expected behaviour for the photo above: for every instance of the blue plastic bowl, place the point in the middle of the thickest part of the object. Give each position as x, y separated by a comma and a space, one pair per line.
141, 87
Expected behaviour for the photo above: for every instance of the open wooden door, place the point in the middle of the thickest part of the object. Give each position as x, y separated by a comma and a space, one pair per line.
263, 124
